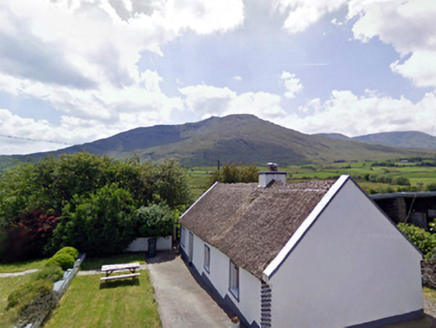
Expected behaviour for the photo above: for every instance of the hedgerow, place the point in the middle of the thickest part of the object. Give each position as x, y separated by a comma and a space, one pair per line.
423, 240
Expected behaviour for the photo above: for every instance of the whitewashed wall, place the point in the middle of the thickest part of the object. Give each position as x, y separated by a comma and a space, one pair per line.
351, 267
141, 244
249, 286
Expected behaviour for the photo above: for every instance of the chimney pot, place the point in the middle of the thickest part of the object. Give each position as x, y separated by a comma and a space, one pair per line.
266, 177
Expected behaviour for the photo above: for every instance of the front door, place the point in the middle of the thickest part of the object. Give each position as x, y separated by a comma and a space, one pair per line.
191, 246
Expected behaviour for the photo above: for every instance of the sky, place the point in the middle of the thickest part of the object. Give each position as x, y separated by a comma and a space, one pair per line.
75, 71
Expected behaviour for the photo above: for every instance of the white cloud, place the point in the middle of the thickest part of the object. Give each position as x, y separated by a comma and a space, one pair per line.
300, 14
408, 26
26, 129
81, 58
335, 22
204, 16
292, 84
18, 146
210, 101
151, 80
420, 68
87, 115
351, 115
237, 78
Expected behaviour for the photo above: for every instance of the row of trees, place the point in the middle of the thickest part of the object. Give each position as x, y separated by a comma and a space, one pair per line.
232, 173
96, 204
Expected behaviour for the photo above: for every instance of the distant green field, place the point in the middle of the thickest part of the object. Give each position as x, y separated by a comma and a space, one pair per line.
198, 179
370, 178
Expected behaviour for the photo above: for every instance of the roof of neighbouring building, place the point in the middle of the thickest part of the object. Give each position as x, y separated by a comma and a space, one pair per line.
251, 224
404, 194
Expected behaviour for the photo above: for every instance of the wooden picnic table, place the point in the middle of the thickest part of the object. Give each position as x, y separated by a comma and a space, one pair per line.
110, 268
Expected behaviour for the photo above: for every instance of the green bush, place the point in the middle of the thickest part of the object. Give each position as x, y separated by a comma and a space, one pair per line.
430, 187
69, 250
154, 221
373, 177
99, 224
51, 262
64, 260
423, 240
40, 192
402, 181
232, 173
28, 292
51, 273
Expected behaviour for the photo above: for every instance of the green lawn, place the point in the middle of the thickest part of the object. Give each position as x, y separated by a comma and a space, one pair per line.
22, 266
429, 293
7, 285
121, 303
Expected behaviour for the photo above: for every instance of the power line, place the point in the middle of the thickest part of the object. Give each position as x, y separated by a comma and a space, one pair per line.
35, 140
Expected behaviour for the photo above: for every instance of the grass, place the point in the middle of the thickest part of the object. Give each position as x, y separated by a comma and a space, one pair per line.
198, 179
96, 263
7, 285
429, 293
122, 303
22, 266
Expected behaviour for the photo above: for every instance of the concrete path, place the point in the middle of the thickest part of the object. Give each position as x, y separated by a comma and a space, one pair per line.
17, 274
182, 302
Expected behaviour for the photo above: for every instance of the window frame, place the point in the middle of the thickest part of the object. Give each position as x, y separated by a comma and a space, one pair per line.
206, 263
234, 280
182, 236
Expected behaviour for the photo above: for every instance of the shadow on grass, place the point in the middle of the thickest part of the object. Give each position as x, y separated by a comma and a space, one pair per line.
120, 283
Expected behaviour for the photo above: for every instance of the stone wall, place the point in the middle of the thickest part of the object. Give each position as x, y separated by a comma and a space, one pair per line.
428, 271
395, 208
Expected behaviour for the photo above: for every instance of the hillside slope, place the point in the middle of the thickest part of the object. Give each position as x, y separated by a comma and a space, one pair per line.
234, 138
410, 139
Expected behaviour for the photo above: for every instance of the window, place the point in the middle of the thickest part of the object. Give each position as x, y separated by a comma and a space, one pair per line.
182, 236
234, 280
206, 258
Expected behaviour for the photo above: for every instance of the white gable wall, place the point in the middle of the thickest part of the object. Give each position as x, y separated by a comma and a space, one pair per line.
352, 266
249, 285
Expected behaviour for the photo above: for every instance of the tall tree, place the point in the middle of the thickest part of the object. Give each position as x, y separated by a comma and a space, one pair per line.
232, 173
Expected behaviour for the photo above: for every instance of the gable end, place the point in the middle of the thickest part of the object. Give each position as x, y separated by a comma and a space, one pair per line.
304, 227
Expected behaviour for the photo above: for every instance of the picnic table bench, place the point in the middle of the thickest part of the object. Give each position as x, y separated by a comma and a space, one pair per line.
110, 268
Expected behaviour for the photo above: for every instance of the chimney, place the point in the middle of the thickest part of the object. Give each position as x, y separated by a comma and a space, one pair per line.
266, 177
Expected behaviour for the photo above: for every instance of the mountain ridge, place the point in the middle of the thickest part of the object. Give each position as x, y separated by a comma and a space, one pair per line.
234, 138
403, 139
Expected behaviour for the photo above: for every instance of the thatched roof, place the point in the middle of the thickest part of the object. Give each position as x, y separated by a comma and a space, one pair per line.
251, 224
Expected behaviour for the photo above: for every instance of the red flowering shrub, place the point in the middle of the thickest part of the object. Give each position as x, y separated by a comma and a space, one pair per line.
28, 234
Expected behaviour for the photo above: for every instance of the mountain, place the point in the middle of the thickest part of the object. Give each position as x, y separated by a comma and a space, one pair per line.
338, 136
234, 138
404, 139
410, 139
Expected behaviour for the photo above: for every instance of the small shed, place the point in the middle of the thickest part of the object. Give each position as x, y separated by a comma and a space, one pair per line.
309, 254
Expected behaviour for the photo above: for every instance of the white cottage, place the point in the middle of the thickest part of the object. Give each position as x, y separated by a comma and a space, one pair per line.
312, 254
